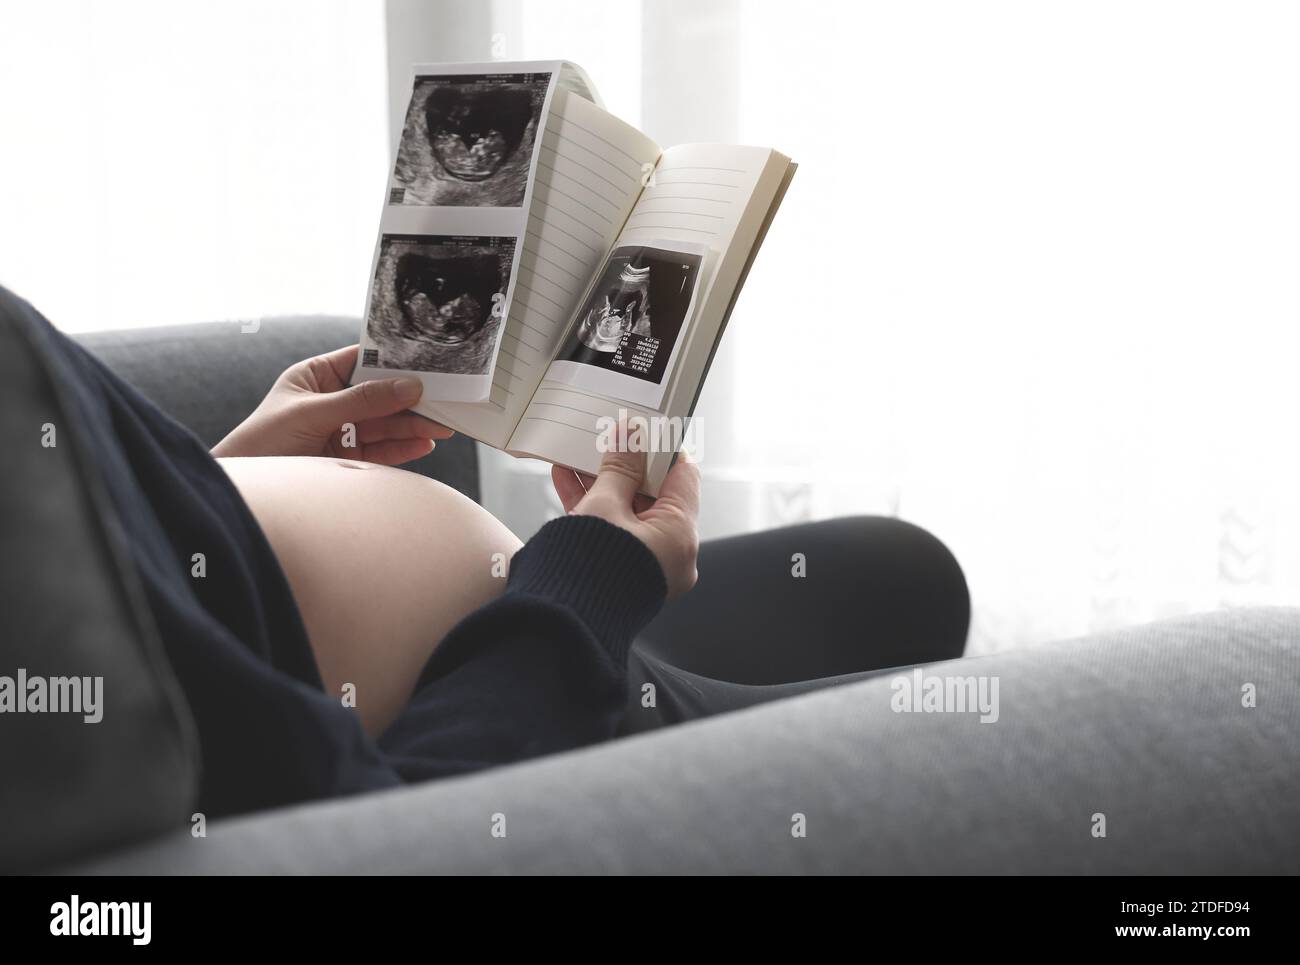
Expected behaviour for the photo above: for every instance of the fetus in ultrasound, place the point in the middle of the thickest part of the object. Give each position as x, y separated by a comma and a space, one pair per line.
447, 300
623, 309
474, 131
438, 303
469, 140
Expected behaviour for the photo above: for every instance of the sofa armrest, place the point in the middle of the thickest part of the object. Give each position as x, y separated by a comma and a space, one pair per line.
210, 376
1144, 726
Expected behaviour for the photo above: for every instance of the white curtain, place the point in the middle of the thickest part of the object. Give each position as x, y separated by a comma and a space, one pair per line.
1037, 284
166, 162
1034, 287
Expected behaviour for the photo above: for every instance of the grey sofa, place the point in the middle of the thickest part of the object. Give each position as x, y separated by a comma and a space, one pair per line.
1146, 727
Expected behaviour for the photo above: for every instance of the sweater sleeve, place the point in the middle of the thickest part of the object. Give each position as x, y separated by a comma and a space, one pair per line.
541, 669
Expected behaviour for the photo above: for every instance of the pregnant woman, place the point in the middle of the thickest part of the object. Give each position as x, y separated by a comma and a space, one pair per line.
340, 625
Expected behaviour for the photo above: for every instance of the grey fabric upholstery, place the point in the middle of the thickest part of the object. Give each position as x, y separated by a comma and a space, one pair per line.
211, 376
1145, 726
72, 609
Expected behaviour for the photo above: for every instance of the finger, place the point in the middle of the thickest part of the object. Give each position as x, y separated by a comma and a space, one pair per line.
619, 477
342, 361
567, 486
394, 452
369, 400
681, 486
404, 425
333, 370
641, 503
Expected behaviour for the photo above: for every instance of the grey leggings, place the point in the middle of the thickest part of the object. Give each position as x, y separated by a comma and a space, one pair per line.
875, 593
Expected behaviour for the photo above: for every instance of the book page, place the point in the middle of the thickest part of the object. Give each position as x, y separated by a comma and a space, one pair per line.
575, 80
710, 196
589, 173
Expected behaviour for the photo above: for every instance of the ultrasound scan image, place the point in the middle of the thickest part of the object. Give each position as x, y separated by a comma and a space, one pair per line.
634, 315
435, 305
620, 309
468, 140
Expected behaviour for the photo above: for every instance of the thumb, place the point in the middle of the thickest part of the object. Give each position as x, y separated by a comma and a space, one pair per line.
369, 400
681, 487
619, 477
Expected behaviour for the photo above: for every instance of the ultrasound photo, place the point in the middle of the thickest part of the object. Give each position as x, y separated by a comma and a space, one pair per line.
633, 316
468, 140
437, 303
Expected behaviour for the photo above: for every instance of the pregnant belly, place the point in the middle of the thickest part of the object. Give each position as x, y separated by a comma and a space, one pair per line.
382, 564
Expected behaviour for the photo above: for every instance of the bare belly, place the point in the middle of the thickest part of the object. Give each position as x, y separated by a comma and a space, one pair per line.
382, 563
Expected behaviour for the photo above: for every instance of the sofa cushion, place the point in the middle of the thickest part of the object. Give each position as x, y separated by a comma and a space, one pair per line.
73, 610
210, 376
1153, 728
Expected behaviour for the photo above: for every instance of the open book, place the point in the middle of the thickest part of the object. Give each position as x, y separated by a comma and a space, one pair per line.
547, 270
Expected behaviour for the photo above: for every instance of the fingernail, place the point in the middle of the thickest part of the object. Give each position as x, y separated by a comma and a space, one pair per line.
407, 389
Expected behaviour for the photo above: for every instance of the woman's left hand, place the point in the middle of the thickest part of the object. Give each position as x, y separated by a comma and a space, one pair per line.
312, 411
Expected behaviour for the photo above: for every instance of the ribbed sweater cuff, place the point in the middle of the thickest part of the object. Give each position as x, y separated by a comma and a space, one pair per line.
602, 573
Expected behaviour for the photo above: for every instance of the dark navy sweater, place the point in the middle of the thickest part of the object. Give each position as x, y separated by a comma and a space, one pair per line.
539, 670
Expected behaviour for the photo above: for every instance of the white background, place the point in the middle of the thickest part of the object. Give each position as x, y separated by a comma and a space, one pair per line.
1035, 287
192, 160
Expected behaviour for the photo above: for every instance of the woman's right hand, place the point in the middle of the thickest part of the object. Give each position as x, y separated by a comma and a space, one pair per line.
311, 403
667, 525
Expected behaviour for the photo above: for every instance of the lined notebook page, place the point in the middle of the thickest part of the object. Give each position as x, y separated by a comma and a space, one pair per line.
698, 194
701, 193
589, 175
